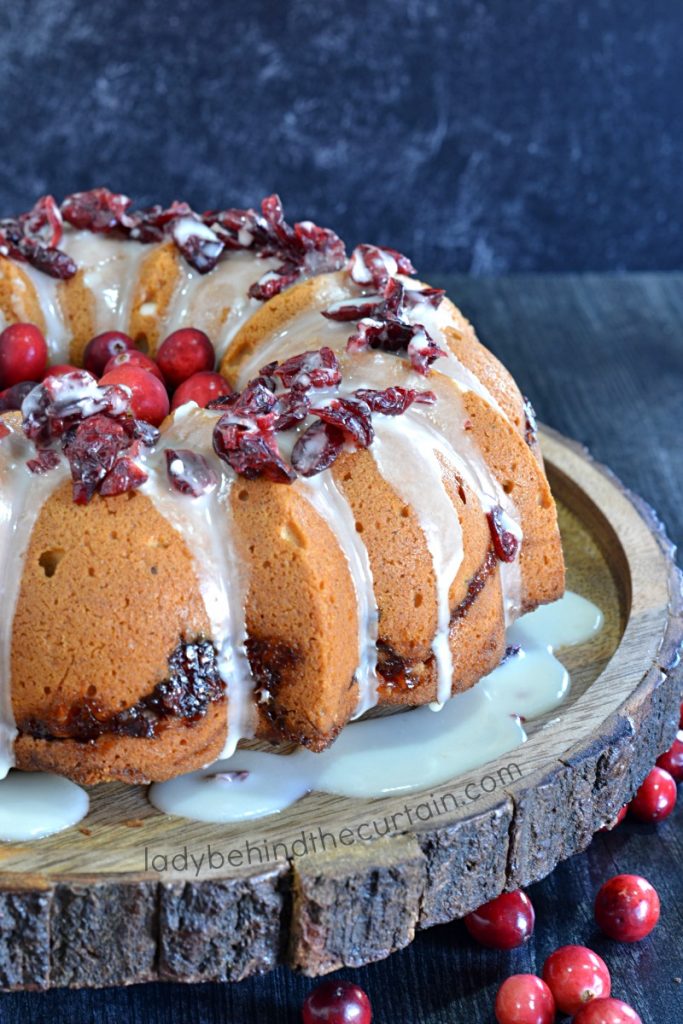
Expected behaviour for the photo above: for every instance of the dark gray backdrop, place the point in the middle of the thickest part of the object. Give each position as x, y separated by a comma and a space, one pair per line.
482, 137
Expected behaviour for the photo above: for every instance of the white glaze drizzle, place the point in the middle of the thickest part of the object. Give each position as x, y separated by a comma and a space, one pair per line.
206, 526
200, 299
22, 496
34, 805
405, 752
328, 500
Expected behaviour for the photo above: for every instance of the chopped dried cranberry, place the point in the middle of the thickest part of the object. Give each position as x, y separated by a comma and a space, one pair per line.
433, 297
98, 210
394, 401
316, 369
370, 265
32, 238
12, 399
199, 245
44, 461
250, 448
92, 448
125, 475
291, 408
505, 543
189, 472
392, 335
354, 309
317, 448
255, 400
43, 224
352, 416
57, 404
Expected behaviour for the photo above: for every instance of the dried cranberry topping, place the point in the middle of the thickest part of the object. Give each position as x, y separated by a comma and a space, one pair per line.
316, 369
394, 335
33, 236
352, 416
189, 472
45, 460
292, 407
394, 401
247, 443
92, 448
505, 543
98, 210
317, 448
98, 433
199, 245
54, 406
370, 265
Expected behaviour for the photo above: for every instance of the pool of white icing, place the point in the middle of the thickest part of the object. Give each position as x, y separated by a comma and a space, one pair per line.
403, 752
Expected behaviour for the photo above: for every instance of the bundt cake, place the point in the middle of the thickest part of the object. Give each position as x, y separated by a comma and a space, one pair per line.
349, 516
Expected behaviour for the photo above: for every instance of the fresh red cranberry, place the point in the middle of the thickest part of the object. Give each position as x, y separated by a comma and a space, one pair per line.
201, 388
12, 399
4, 430
59, 370
575, 975
337, 1002
617, 821
607, 1011
504, 923
149, 398
102, 348
627, 908
524, 999
131, 357
656, 798
184, 353
23, 354
672, 760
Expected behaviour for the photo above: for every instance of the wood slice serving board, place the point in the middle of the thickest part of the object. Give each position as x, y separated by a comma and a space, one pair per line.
121, 900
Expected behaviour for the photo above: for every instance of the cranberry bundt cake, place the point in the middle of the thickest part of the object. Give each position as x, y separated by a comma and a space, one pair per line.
344, 508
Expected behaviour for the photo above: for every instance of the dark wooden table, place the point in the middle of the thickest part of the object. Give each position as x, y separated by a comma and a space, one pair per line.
602, 359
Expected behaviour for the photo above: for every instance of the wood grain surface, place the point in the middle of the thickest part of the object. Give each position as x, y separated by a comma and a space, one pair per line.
602, 359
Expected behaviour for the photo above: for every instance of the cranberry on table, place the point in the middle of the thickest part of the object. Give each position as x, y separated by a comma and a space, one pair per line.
627, 908
23, 354
607, 1011
201, 388
656, 798
11, 399
149, 398
524, 999
184, 353
337, 1002
672, 760
575, 975
102, 348
131, 357
59, 370
503, 923
617, 821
